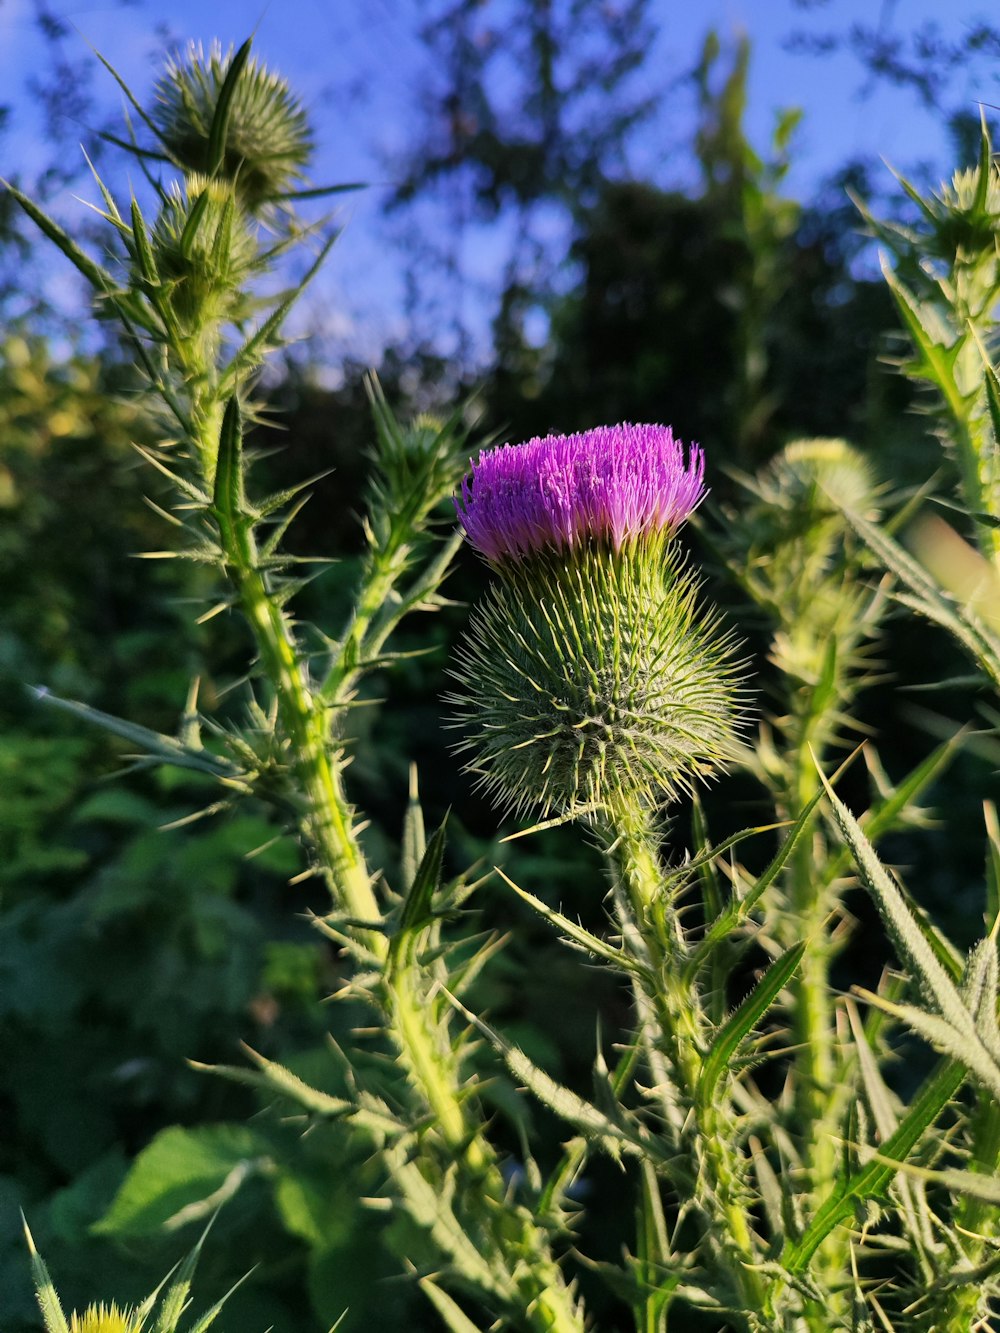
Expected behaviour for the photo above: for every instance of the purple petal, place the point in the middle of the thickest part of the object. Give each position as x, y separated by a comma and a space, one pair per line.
612, 483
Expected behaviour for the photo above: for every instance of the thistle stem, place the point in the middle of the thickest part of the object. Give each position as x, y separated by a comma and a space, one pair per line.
674, 1033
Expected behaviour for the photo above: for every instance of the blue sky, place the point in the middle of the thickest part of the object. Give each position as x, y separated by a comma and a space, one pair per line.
355, 62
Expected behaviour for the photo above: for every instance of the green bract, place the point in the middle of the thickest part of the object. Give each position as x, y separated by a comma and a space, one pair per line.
204, 252
589, 681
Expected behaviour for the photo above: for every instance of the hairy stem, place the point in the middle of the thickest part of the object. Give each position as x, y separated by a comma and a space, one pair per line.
675, 1029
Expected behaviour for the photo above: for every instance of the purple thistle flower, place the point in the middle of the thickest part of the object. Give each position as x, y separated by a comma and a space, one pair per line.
612, 483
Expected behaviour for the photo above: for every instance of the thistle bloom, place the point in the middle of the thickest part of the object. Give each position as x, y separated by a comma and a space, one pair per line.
588, 682
612, 483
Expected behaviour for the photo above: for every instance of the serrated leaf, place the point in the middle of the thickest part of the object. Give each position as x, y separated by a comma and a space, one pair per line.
910, 940
958, 1043
738, 908
247, 357
979, 992
731, 1036
971, 1183
45, 1292
873, 1179
934, 341
575, 933
99, 278
155, 744
927, 598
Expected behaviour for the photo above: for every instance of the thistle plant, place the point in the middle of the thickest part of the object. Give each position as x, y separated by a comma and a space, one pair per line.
780, 1179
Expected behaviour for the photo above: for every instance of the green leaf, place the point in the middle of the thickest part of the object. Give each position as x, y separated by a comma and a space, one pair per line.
624, 1134
185, 1175
153, 744
576, 934
935, 342
738, 908
731, 1036
175, 1300
455, 1319
652, 1254
99, 278
873, 1179
910, 940
48, 1301
219, 132
248, 357
228, 496
972, 1183
417, 905
414, 837
959, 1044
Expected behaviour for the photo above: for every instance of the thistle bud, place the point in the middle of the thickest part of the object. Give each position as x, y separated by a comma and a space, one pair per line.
204, 251
268, 141
588, 680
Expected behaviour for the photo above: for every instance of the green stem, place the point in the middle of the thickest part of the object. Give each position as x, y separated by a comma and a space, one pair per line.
813, 1024
675, 1034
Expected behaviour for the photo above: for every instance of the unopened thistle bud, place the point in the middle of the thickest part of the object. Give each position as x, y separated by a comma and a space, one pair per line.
268, 140
204, 251
588, 680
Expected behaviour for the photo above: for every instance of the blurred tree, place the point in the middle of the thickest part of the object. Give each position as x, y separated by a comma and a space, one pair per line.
527, 108
947, 62
730, 310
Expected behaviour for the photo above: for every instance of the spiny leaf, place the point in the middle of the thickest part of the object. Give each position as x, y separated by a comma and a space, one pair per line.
730, 1037
972, 1183
248, 356
219, 131
48, 1301
576, 933
872, 1180
961, 1045
738, 908
455, 1319
910, 940
99, 278
929, 599
175, 1300
210, 1316
152, 743
929, 335
616, 1136
417, 905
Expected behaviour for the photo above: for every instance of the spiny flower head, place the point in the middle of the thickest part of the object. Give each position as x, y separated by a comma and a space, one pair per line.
612, 484
268, 139
588, 681
105, 1319
204, 250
